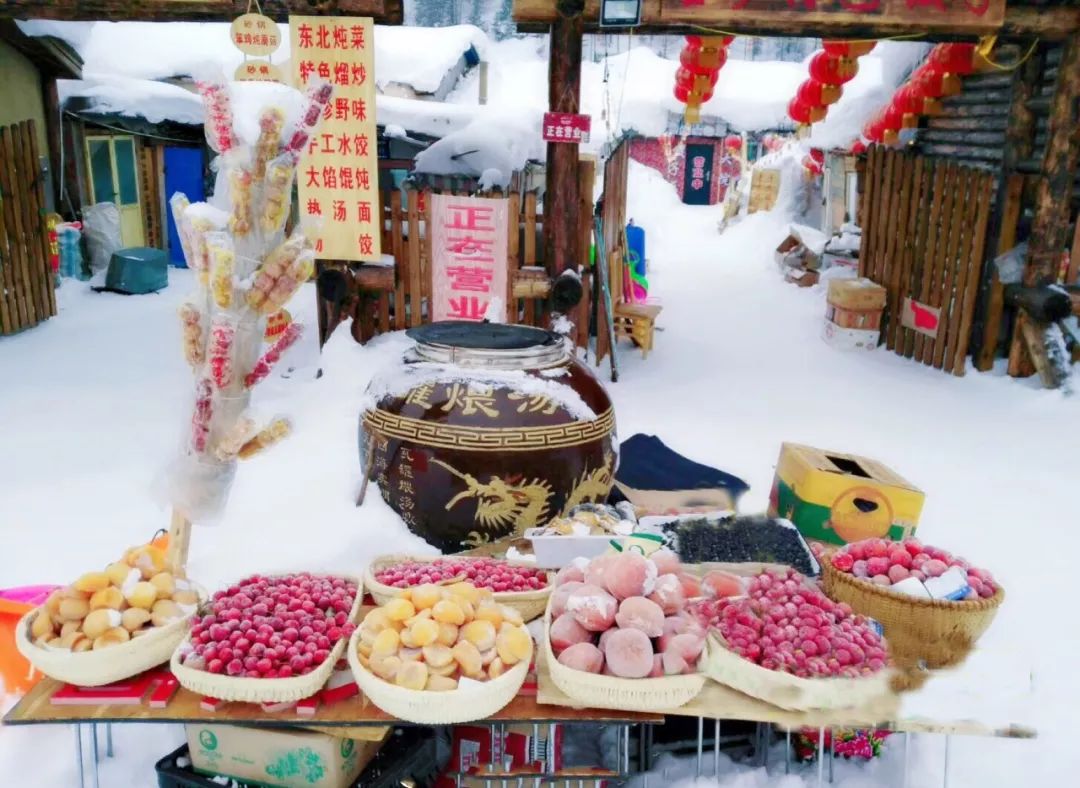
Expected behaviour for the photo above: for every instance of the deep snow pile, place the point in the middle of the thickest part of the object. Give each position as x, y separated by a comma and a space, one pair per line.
95, 400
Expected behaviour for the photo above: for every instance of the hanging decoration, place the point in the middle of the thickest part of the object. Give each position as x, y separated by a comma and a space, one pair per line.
701, 59
830, 69
936, 78
814, 162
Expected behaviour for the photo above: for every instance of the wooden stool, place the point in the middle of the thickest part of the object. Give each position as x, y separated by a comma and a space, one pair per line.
637, 322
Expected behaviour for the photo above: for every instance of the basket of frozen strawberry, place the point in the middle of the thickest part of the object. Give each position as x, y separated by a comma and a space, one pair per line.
517, 584
269, 639
933, 605
788, 644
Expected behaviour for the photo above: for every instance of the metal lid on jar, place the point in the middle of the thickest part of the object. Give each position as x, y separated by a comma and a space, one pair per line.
488, 345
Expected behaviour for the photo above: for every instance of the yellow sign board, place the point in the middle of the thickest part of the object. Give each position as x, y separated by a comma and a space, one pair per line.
338, 176
255, 34
258, 71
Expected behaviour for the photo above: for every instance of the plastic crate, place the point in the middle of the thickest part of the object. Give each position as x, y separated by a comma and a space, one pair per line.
407, 754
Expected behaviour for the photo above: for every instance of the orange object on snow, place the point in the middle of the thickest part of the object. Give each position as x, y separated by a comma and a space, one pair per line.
16, 674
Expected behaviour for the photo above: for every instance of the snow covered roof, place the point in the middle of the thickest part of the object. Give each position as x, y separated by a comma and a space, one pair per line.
415, 56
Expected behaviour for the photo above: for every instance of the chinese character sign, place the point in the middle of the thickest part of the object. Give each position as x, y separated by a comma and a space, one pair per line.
468, 257
566, 127
338, 176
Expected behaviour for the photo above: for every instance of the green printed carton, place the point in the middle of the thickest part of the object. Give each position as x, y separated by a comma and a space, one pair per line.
278, 757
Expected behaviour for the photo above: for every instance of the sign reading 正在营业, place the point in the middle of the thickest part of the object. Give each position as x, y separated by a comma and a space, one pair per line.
469, 247
338, 174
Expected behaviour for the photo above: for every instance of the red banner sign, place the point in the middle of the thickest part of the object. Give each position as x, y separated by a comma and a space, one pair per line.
469, 246
566, 127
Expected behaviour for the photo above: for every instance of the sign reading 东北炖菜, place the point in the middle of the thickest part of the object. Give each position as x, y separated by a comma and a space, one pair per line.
338, 175
468, 257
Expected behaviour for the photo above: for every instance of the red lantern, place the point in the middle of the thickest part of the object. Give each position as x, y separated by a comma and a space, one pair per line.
798, 111
893, 118
812, 166
837, 49
831, 70
874, 130
858, 147
954, 58
693, 42
818, 94
907, 99
686, 77
733, 142
682, 93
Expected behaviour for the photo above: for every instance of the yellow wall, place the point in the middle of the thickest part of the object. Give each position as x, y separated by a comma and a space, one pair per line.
20, 93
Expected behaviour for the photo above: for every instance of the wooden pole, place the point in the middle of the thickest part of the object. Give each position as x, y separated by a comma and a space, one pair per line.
1049, 232
179, 542
561, 237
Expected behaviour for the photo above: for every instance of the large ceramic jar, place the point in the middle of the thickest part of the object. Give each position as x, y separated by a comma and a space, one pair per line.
484, 430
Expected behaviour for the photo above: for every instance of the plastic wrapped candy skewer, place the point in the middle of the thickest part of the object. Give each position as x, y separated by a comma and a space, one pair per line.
222, 265
240, 195
265, 290
194, 345
288, 283
266, 148
238, 435
200, 418
222, 334
265, 364
274, 432
219, 119
278, 192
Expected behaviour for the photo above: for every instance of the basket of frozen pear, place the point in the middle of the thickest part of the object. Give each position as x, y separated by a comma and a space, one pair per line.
110, 625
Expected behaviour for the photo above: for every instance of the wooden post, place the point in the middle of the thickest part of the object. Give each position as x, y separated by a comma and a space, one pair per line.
1049, 232
564, 95
179, 541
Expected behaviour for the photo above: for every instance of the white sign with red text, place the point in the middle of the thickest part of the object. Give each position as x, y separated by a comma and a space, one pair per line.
469, 248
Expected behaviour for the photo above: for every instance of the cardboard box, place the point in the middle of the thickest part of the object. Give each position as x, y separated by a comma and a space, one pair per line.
279, 757
802, 278
841, 498
863, 319
850, 338
856, 294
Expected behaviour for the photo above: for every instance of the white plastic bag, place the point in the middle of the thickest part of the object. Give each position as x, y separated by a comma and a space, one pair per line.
101, 227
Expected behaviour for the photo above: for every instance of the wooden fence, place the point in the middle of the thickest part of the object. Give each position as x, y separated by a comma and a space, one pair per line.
26, 282
924, 240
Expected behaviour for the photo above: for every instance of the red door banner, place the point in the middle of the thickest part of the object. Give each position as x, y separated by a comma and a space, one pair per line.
469, 250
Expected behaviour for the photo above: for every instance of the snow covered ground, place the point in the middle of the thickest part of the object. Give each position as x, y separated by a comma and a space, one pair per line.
93, 401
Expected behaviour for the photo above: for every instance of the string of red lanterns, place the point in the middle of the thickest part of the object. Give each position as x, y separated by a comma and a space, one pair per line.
700, 61
939, 76
831, 68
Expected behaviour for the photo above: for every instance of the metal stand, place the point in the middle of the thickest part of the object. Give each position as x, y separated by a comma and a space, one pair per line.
700, 743
945, 780
907, 759
820, 756
716, 748
787, 752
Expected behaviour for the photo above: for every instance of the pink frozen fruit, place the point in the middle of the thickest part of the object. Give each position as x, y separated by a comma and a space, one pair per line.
859, 569
668, 593
569, 573
560, 595
566, 632
898, 572
691, 586
629, 654
630, 574
843, 561
877, 566
657, 666
593, 607
596, 571
935, 567
583, 656
688, 645
667, 563
900, 556
881, 580
674, 663
719, 584
637, 612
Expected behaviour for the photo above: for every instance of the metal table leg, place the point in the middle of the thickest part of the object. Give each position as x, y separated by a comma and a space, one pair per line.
626, 749
832, 758
787, 751
108, 740
945, 781
94, 760
766, 737
700, 742
907, 759
79, 754
820, 756
716, 748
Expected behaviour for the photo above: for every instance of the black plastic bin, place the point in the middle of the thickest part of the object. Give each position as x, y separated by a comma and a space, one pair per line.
408, 754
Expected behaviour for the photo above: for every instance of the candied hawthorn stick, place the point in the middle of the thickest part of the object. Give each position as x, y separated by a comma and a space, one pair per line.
278, 192
200, 418
240, 196
266, 148
222, 334
274, 432
271, 357
219, 116
233, 440
222, 257
194, 345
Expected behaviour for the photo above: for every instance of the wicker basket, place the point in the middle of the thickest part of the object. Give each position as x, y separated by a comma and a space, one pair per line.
597, 691
478, 701
935, 631
96, 668
787, 691
252, 690
530, 604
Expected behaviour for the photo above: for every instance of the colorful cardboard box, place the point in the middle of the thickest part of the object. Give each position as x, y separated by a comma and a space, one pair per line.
278, 757
850, 338
840, 498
